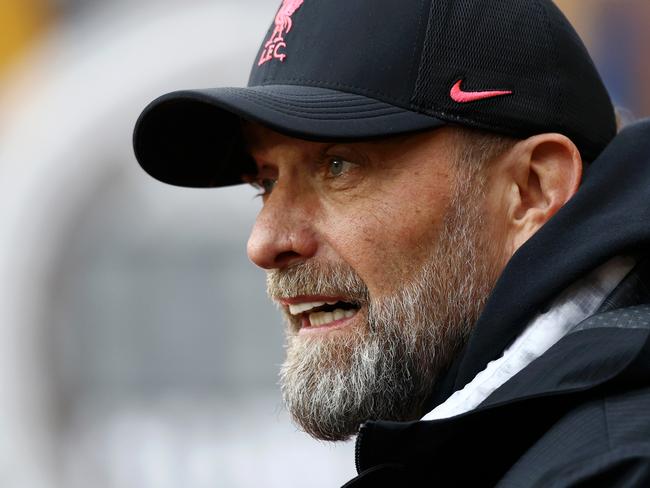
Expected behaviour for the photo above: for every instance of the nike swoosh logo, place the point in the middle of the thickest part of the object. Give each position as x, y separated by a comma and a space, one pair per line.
460, 96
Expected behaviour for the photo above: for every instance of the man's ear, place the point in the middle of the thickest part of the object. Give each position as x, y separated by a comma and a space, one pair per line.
544, 172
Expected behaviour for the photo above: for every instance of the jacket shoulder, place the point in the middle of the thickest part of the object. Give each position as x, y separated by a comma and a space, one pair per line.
603, 442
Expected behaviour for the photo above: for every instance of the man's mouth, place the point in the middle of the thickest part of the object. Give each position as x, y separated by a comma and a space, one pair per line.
320, 314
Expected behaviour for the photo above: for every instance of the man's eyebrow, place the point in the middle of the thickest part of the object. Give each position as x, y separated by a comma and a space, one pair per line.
246, 141
326, 148
315, 156
255, 170
248, 152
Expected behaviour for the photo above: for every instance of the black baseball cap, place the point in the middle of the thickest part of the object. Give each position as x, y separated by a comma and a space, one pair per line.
343, 70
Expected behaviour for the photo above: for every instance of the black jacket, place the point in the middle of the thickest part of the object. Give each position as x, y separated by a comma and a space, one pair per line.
579, 415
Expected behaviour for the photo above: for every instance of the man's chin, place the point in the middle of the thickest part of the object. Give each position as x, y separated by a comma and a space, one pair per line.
315, 383
332, 383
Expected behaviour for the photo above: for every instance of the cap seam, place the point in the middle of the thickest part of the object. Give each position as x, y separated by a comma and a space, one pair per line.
359, 90
476, 123
416, 94
417, 60
284, 103
336, 96
309, 115
323, 107
559, 101
352, 102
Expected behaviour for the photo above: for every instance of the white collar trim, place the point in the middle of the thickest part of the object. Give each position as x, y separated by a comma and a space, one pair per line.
572, 306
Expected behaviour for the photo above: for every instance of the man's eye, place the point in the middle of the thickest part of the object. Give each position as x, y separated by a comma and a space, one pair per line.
337, 166
264, 186
268, 184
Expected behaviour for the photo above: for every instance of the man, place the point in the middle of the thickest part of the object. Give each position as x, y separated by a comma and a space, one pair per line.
453, 230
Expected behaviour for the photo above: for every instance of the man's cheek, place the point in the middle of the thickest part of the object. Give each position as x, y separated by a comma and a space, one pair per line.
378, 256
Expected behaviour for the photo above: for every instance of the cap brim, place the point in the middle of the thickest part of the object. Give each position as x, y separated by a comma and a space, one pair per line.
193, 137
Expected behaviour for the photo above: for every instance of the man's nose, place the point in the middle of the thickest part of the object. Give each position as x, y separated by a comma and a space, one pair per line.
283, 234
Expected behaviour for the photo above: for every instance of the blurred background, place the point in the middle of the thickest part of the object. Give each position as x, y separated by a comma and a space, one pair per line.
137, 348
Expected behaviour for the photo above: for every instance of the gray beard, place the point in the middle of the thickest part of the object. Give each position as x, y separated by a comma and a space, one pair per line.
386, 369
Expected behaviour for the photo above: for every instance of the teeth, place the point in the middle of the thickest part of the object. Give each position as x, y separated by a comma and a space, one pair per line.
299, 308
303, 307
318, 319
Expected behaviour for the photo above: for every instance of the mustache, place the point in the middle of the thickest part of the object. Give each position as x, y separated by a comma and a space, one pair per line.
316, 278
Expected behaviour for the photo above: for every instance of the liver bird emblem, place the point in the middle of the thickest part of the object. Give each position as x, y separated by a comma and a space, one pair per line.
283, 24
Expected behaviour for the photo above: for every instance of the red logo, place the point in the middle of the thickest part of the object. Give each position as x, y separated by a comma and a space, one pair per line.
460, 96
283, 25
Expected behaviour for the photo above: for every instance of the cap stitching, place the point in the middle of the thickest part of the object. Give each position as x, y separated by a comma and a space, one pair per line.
362, 91
556, 56
428, 38
417, 60
476, 122
282, 102
328, 105
315, 101
336, 96
308, 115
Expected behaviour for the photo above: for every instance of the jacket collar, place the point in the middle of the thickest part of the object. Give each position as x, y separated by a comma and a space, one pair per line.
542, 392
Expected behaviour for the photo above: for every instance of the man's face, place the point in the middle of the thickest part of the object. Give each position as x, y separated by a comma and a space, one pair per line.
378, 254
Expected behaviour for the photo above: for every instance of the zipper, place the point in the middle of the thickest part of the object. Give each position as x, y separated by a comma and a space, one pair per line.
357, 448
